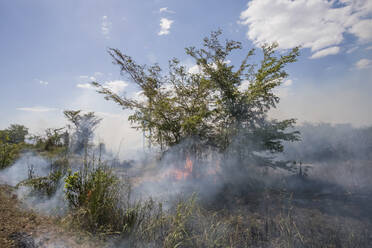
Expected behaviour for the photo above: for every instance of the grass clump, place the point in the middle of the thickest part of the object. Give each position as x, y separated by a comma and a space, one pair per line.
100, 203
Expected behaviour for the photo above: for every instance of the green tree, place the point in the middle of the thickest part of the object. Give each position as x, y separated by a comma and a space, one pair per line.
17, 133
8, 152
210, 108
83, 126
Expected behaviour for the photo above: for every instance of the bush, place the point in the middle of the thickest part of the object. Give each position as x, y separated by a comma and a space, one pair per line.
46, 186
98, 203
8, 153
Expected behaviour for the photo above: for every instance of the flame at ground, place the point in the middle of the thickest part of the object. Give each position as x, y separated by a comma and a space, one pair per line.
186, 172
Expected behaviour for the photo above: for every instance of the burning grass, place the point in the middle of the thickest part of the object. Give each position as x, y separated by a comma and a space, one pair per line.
259, 218
293, 212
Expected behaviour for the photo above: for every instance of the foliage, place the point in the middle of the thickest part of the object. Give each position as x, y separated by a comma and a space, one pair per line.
48, 185
8, 153
45, 186
94, 196
53, 140
11, 143
16, 133
210, 108
83, 126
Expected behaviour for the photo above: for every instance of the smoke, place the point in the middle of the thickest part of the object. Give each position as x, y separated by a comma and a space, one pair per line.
30, 164
20, 170
325, 142
336, 154
339, 154
338, 159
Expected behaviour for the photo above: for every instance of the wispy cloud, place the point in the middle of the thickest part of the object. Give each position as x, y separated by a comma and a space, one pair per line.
91, 78
37, 109
165, 25
85, 86
317, 25
325, 52
166, 10
363, 64
116, 86
106, 27
43, 82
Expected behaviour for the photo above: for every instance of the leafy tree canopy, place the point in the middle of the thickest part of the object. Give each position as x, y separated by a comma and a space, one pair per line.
14, 134
210, 107
83, 126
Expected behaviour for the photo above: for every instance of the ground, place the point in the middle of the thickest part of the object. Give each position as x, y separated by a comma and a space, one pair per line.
45, 231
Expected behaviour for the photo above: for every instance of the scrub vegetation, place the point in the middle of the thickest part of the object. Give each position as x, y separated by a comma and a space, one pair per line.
221, 173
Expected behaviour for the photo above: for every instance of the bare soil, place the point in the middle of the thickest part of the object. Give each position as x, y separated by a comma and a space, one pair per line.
16, 221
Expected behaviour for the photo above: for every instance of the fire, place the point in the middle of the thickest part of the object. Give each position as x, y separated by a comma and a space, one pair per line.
186, 172
188, 166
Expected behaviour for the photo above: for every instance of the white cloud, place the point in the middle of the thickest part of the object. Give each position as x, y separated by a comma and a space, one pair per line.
325, 52
85, 86
166, 10
91, 78
106, 27
195, 69
244, 86
165, 25
37, 109
42, 82
284, 90
369, 48
139, 96
363, 63
116, 86
362, 30
315, 24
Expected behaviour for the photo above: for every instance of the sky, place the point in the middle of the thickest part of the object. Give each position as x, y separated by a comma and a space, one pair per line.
51, 50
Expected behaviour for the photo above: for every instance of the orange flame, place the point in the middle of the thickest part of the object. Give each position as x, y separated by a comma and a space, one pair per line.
185, 172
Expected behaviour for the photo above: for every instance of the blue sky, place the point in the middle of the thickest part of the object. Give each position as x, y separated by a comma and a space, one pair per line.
50, 50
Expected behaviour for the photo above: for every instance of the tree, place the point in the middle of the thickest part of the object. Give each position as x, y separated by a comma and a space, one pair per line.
17, 133
83, 127
209, 108
9, 152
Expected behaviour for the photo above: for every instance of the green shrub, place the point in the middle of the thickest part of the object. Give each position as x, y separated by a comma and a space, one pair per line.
100, 202
44, 186
8, 153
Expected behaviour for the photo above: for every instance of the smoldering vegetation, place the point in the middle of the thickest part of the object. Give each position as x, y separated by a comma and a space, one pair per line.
336, 154
216, 170
177, 201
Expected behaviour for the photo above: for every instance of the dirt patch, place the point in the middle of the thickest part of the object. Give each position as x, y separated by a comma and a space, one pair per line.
19, 226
